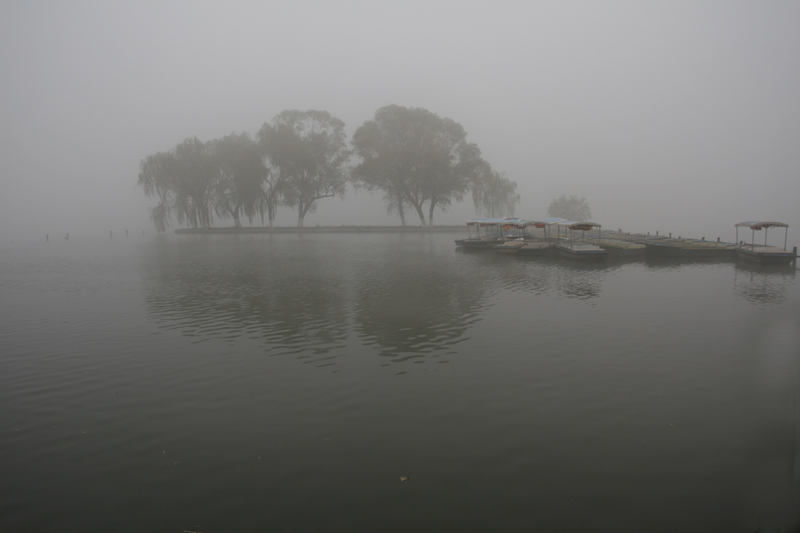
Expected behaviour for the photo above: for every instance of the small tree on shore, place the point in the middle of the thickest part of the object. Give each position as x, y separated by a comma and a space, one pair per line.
570, 207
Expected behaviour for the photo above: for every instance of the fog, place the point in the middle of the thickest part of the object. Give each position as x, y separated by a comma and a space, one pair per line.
671, 117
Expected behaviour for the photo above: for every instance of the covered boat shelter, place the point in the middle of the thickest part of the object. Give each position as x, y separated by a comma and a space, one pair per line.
758, 225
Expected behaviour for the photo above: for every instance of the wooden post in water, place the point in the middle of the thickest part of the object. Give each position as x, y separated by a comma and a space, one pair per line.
47, 238
670, 234
109, 234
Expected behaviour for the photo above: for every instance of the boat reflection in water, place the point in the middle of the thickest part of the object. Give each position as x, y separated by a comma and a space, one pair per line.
763, 284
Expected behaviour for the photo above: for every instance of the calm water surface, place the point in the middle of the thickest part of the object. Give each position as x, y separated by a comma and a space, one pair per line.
288, 382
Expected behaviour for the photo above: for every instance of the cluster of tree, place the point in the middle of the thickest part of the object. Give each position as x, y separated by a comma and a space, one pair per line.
571, 208
417, 159
420, 160
296, 160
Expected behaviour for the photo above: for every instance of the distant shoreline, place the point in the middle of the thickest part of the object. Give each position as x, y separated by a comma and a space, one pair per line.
324, 229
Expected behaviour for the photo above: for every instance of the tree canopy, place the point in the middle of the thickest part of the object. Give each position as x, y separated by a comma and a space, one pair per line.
182, 180
493, 194
240, 173
312, 147
571, 208
417, 159
297, 160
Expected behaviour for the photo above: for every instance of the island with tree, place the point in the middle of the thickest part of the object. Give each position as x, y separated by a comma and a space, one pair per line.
418, 160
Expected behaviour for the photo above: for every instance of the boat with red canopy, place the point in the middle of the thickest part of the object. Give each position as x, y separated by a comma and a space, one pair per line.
572, 248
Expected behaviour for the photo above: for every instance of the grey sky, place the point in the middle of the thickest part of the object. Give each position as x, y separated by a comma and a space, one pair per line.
670, 116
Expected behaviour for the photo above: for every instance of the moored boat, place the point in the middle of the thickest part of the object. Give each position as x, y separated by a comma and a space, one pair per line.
493, 233
510, 246
514, 236
763, 253
543, 243
572, 248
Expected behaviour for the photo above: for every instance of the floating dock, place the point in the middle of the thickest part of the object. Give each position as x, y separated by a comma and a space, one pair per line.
690, 248
621, 247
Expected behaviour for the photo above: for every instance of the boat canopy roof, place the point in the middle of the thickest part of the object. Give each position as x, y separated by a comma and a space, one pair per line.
760, 224
539, 223
519, 224
491, 221
579, 226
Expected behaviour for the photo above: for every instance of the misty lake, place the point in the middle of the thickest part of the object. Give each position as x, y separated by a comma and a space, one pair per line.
289, 382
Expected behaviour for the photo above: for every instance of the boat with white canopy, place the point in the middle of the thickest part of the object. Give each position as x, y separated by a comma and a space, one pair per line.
763, 253
492, 236
573, 248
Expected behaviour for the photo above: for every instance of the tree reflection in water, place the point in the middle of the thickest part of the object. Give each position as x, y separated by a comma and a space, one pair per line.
407, 297
229, 288
305, 294
413, 309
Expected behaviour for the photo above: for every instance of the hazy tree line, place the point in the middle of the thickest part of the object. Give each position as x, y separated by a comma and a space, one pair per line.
570, 207
418, 160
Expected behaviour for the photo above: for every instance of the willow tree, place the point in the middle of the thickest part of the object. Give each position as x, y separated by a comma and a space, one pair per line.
240, 175
416, 158
194, 181
310, 148
276, 145
182, 180
156, 178
493, 194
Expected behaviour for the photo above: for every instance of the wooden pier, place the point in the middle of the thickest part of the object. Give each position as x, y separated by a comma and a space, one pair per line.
661, 245
621, 247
